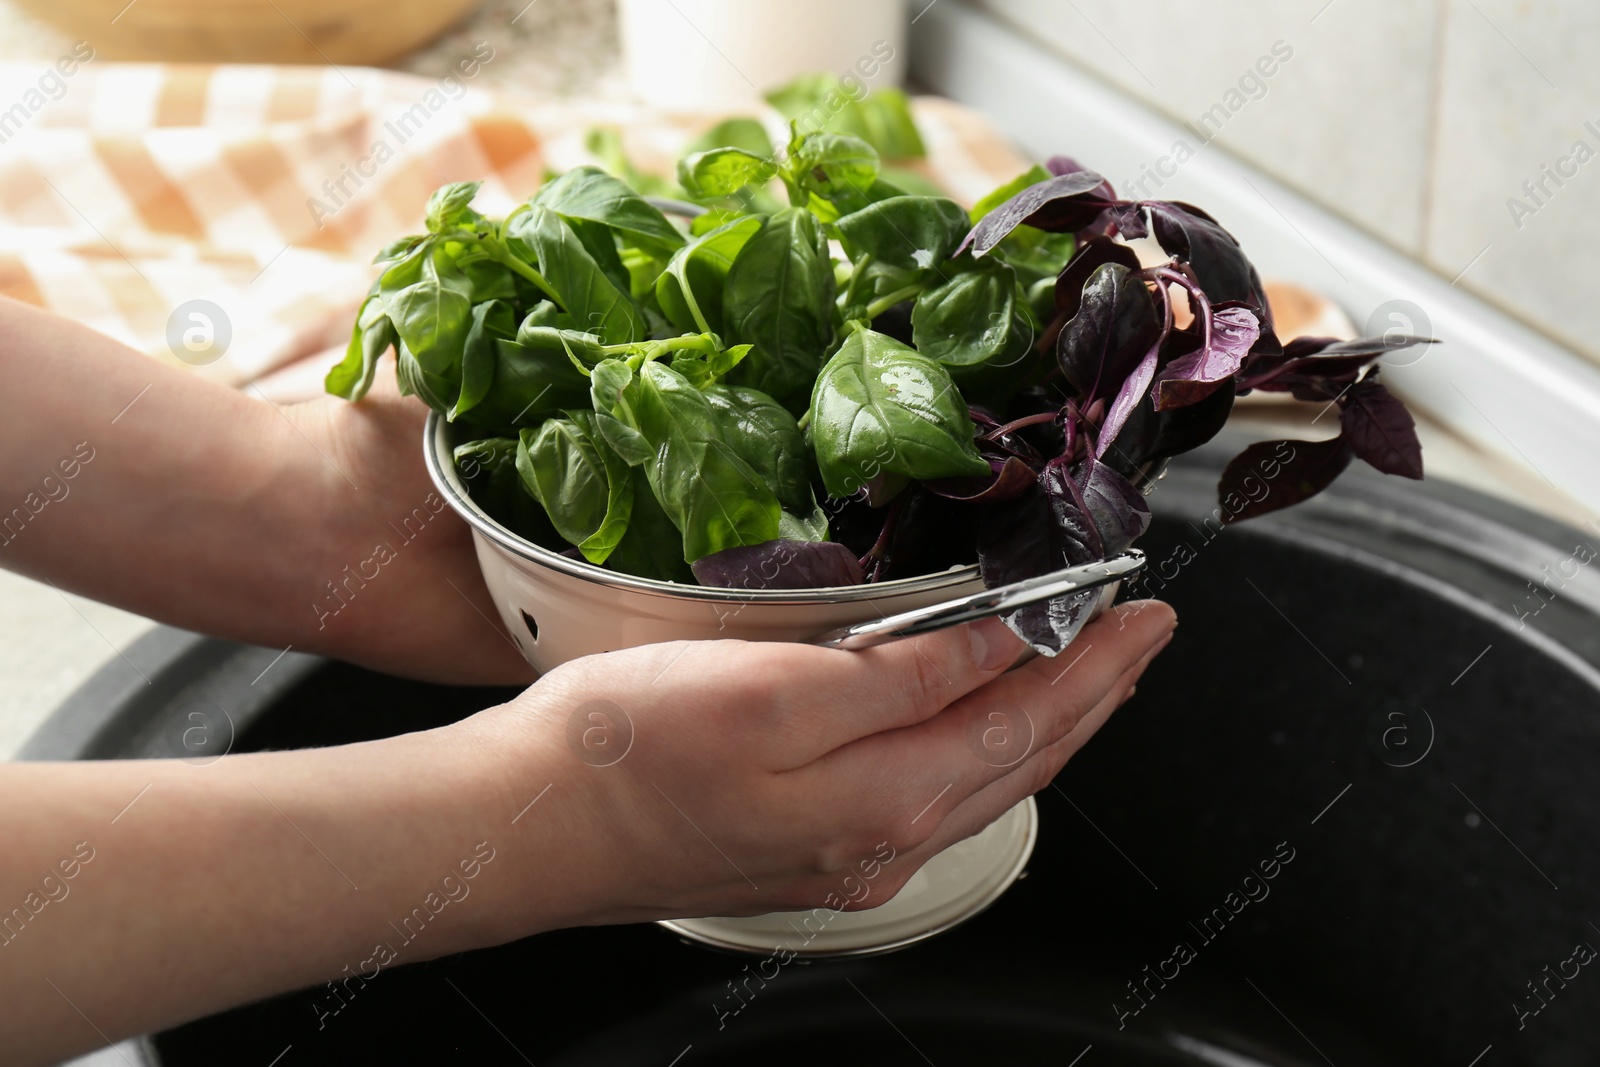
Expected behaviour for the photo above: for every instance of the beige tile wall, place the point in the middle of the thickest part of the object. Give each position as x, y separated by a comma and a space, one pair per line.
1415, 119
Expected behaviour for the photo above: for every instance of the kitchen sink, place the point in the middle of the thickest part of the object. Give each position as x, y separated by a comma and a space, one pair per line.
1351, 817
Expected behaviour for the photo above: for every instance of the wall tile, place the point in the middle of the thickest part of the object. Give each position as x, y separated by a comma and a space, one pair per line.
1518, 85
1345, 120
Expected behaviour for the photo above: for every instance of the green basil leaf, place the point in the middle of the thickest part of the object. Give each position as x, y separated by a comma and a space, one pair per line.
533, 377
879, 407
723, 171
488, 468
763, 432
491, 321
605, 143
779, 297
372, 336
592, 195
701, 367
593, 301
429, 301
910, 182
651, 547
882, 117
833, 166
909, 233
743, 133
541, 314
398, 248
713, 496
586, 489
608, 384
438, 391
449, 207
966, 320
813, 526
690, 290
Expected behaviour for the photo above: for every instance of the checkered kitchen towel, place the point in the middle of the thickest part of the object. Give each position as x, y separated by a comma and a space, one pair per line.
129, 189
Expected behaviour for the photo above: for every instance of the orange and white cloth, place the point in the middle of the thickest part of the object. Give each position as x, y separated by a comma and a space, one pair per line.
129, 189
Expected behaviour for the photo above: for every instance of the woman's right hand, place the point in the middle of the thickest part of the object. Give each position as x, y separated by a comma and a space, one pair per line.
733, 777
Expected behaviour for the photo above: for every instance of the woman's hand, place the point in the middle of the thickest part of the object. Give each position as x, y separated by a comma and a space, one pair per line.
144, 485
707, 778
726, 777
400, 589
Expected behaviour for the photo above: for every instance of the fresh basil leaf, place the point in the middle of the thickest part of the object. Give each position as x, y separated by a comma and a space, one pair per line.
968, 319
605, 144
592, 195
491, 321
372, 336
533, 377
763, 432
702, 367
880, 407
1291, 471
721, 172
746, 134
812, 526
1000, 194
584, 486
1063, 204
438, 391
488, 468
1380, 430
780, 564
690, 290
882, 117
450, 207
713, 496
429, 301
592, 300
1211, 252
1195, 376
830, 174
651, 547
779, 298
1114, 329
909, 233
1041, 531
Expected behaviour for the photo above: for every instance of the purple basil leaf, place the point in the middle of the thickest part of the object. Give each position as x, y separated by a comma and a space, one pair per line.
1117, 508
1277, 474
1035, 534
780, 564
1134, 389
1186, 429
1112, 219
1191, 378
1010, 480
1211, 252
1114, 328
1065, 203
1360, 346
1380, 430
1090, 256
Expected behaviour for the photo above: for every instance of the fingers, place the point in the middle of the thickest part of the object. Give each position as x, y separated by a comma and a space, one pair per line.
830, 697
992, 732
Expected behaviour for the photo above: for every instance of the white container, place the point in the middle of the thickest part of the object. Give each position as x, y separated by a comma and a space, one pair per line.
558, 609
698, 54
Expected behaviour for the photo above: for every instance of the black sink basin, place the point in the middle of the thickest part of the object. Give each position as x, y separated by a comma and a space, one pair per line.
1352, 704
